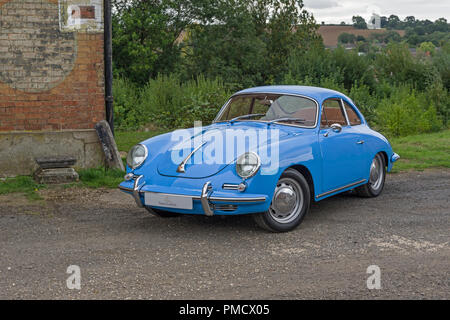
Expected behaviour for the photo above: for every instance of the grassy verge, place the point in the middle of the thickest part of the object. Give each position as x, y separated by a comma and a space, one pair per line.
100, 177
21, 184
126, 139
422, 151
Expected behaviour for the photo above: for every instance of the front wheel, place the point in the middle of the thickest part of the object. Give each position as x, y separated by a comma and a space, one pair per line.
377, 177
290, 203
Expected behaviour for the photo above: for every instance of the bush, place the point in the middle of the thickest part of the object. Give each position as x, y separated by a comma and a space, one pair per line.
166, 102
127, 110
407, 112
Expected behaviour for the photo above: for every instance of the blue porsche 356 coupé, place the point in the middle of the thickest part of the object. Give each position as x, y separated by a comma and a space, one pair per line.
270, 152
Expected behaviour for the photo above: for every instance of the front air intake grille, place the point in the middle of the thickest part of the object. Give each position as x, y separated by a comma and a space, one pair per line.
225, 207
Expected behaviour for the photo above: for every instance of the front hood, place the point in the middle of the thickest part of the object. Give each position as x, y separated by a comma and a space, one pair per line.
215, 146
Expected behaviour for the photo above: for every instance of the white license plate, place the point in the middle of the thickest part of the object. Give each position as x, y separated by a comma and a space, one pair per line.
168, 200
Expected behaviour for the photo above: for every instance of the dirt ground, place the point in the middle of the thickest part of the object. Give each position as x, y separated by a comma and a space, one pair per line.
123, 252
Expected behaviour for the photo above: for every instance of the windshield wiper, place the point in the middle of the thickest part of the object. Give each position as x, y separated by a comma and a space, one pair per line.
287, 120
246, 116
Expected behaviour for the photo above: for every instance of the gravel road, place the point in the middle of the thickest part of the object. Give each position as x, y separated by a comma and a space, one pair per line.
123, 252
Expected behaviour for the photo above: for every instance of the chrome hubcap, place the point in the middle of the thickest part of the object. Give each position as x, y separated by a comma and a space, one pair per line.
376, 173
287, 201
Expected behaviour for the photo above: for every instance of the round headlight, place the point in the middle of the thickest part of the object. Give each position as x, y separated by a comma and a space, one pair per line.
247, 165
137, 156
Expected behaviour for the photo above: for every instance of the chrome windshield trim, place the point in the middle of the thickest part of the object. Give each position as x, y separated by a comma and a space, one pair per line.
274, 92
340, 188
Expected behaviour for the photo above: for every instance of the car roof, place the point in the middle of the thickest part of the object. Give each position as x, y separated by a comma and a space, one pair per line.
317, 93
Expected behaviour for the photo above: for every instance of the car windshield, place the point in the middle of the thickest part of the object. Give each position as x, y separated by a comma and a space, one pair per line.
270, 107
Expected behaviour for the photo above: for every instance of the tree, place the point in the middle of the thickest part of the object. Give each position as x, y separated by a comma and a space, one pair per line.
384, 21
145, 34
427, 48
359, 22
393, 22
249, 42
410, 21
346, 38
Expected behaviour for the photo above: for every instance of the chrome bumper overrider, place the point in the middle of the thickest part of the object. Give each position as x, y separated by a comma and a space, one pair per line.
205, 198
395, 157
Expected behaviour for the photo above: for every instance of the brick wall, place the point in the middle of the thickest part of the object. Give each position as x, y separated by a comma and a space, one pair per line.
50, 79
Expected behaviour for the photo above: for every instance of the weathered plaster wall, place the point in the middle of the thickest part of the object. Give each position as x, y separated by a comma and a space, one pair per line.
19, 149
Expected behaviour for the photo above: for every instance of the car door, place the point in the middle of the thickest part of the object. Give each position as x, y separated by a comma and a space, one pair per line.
341, 147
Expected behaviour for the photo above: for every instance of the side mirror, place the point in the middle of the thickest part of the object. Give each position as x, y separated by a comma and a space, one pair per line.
336, 127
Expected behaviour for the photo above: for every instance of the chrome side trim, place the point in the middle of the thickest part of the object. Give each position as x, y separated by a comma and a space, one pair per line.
183, 163
236, 199
206, 190
136, 189
340, 188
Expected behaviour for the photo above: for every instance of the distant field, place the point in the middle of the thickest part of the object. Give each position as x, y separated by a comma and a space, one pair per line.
330, 34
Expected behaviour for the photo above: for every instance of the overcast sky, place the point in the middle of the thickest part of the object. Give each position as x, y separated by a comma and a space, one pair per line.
335, 11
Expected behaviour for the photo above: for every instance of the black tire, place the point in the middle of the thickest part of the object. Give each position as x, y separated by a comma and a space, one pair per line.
267, 221
371, 189
162, 213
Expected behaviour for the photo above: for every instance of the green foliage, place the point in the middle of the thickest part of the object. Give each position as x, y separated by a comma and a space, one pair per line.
359, 22
346, 38
178, 61
167, 102
398, 66
127, 109
145, 35
248, 42
407, 112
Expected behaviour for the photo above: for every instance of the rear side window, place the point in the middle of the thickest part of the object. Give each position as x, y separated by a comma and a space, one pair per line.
332, 113
353, 117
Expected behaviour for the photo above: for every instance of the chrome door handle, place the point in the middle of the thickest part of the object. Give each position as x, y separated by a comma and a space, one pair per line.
360, 142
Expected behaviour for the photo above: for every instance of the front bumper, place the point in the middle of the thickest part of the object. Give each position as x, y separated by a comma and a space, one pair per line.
206, 198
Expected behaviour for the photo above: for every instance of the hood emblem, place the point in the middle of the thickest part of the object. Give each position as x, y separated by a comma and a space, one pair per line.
181, 168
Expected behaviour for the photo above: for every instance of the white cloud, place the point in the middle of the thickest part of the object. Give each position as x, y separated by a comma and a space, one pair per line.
331, 12
320, 4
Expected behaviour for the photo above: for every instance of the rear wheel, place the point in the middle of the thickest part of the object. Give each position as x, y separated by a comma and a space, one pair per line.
377, 176
290, 203
162, 213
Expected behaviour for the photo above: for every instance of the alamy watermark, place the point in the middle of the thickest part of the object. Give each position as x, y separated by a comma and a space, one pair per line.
222, 146
374, 280
73, 282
